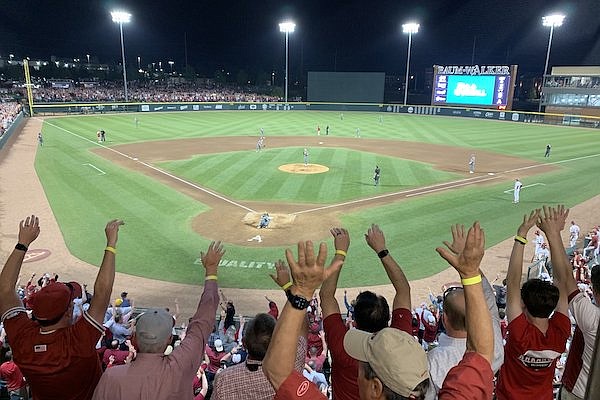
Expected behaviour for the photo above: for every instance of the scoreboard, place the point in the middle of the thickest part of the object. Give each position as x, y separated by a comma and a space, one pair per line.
474, 85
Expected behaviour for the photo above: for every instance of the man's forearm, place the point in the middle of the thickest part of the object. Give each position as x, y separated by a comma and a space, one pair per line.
480, 337
398, 280
105, 280
8, 279
561, 267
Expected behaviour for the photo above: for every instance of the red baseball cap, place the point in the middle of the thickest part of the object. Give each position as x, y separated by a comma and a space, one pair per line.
51, 302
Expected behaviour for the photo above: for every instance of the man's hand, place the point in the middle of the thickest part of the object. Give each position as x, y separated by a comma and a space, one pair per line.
375, 238
341, 238
112, 232
468, 260
29, 229
553, 219
459, 238
308, 272
212, 257
528, 223
282, 275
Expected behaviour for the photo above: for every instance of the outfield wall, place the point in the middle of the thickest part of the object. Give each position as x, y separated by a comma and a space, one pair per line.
12, 129
514, 116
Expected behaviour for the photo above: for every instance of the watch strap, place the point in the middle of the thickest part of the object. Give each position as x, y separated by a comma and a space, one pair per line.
383, 253
21, 246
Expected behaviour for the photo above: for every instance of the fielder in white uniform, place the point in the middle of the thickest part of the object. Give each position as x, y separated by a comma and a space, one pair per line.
573, 234
517, 191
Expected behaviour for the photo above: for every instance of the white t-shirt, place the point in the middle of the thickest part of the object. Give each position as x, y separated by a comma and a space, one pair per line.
574, 231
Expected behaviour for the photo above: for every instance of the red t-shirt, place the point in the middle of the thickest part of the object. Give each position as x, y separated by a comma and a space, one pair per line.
61, 364
120, 356
12, 375
530, 358
344, 368
214, 359
297, 386
471, 379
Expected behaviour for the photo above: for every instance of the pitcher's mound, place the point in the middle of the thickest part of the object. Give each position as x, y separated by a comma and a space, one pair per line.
303, 169
277, 220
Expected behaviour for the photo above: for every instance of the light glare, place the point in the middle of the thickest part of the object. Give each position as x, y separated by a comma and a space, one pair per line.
553, 20
120, 17
287, 27
410, 27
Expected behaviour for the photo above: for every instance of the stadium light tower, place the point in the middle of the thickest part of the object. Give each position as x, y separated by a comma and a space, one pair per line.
553, 21
409, 28
286, 27
122, 17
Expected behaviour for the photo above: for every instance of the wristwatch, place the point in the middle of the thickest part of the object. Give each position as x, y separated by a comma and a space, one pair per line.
383, 253
298, 302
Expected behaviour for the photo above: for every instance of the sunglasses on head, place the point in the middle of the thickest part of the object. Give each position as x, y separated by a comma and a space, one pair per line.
450, 290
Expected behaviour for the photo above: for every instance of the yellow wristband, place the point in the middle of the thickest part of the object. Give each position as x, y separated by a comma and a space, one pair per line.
211, 278
340, 253
471, 281
111, 249
287, 285
521, 239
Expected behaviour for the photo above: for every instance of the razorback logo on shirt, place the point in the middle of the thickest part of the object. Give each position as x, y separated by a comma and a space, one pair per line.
302, 388
538, 359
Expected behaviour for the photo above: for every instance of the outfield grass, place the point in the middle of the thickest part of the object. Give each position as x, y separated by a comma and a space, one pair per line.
158, 241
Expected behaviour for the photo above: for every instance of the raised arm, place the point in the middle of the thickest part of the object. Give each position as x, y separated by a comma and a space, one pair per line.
376, 240
308, 273
29, 229
480, 337
106, 275
341, 241
515, 267
552, 222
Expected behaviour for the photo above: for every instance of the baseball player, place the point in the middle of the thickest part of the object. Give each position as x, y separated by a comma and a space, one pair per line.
472, 164
377, 175
517, 190
305, 154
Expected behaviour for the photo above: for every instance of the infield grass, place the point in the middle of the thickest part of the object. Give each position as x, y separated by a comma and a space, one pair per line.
158, 242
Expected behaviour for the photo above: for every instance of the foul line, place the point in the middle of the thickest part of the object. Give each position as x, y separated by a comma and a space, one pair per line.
533, 184
218, 196
96, 168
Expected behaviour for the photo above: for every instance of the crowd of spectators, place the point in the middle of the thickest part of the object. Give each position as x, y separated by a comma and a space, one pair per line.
8, 113
145, 92
584, 82
60, 340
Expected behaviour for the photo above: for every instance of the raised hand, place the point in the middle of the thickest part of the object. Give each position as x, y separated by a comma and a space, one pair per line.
308, 271
528, 222
112, 232
553, 219
282, 275
467, 261
212, 257
341, 238
459, 239
375, 238
29, 229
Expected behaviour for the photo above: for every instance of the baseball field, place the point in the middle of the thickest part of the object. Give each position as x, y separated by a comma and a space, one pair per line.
180, 180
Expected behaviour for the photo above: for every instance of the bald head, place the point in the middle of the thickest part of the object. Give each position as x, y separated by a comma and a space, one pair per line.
454, 310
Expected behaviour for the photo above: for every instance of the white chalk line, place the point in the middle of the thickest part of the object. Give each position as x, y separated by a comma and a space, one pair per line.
96, 168
533, 184
155, 168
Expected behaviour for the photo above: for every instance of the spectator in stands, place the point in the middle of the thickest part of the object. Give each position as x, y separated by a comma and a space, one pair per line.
593, 245
315, 357
535, 340
273, 309
152, 374
15, 383
453, 343
120, 357
586, 314
246, 380
215, 355
228, 307
200, 384
59, 360
500, 293
126, 302
121, 330
385, 375
371, 311
349, 306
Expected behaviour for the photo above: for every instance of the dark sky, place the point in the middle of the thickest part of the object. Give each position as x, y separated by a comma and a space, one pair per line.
348, 35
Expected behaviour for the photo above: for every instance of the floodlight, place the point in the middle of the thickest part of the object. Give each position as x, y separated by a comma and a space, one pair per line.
120, 17
411, 27
287, 27
553, 20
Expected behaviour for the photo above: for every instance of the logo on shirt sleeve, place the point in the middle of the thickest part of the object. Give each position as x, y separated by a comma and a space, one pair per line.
40, 348
302, 389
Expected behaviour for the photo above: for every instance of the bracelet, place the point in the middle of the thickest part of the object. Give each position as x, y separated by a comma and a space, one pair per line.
471, 281
111, 249
287, 285
520, 239
21, 246
341, 253
211, 278
383, 253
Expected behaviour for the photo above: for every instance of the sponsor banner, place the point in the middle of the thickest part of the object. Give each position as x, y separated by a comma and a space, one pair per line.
144, 107
246, 264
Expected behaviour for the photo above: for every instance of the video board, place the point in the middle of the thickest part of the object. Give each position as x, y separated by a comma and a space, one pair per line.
485, 87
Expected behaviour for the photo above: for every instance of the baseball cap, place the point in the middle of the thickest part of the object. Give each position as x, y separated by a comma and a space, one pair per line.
400, 374
76, 289
218, 345
154, 327
51, 302
123, 294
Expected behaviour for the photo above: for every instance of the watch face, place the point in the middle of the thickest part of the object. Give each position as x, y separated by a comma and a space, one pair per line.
297, 302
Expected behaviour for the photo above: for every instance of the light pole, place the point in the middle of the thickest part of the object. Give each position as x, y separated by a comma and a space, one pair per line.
139, 62
409, 28
286, 27
121, 17
171, 63
88, 59
553, 21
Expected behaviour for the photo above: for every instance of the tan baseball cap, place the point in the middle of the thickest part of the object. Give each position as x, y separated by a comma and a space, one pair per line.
395, 356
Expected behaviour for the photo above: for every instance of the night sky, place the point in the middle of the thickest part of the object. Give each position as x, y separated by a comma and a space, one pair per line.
330, 35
